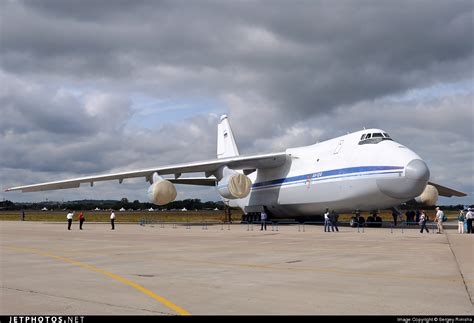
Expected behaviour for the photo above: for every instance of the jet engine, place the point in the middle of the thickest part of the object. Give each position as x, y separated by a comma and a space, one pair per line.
429, 196
234, 185
162, 191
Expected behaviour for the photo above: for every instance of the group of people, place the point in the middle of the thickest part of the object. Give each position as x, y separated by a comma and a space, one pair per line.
465, 218
330, 221
412, 216
82, 219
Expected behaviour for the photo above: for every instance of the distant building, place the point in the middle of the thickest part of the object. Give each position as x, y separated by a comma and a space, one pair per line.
121, 209
44, 209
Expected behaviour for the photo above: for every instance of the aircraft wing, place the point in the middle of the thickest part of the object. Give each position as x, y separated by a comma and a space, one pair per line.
208, 167
446, 191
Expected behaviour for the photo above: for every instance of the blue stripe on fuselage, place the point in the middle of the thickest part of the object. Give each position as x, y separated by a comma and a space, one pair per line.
334, 173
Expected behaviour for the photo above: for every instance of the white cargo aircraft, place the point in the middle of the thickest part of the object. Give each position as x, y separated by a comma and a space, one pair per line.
364, 170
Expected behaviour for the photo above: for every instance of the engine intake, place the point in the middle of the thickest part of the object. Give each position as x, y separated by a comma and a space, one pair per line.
234, 186
429, 196
162, 191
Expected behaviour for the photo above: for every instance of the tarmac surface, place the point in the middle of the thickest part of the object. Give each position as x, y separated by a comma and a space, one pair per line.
232, 270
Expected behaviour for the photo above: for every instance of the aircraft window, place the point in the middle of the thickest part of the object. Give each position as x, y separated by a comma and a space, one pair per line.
373, 138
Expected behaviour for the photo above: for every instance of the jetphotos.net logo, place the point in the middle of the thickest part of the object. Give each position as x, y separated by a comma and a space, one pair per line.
45, 319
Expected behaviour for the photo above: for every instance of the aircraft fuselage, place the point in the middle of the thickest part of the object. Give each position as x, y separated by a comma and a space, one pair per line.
342, 174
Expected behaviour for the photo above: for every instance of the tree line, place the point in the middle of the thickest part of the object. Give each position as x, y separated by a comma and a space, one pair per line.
190, 204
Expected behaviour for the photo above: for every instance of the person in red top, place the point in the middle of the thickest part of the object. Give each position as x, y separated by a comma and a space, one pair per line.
81, 220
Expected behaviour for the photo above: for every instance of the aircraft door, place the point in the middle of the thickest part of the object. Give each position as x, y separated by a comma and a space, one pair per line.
338, 147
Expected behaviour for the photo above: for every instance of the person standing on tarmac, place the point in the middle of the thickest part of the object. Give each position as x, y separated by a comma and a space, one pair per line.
327, 221
439, 219
461, 219
469, 218
395, 217
423, 220
69, 219
263, 219
81, 220
333, 218
112, 219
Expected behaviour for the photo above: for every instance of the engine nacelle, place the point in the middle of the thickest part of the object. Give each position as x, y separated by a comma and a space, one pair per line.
429, 196
234, 186
161, 192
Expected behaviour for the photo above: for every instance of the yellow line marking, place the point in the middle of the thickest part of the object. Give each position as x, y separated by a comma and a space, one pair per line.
142, 289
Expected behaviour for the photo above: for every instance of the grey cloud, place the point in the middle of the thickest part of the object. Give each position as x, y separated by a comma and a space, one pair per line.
309, 57
31, 107
51, 130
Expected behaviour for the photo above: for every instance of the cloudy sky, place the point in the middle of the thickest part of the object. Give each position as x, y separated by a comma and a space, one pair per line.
92, 87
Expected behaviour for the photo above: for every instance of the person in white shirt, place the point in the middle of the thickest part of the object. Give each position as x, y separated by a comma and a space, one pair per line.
461, 219
327, 221
439, 219
112, 219
69, 219
423, 220
469, 218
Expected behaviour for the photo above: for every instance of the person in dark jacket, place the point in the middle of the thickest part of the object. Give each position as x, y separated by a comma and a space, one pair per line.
81, 220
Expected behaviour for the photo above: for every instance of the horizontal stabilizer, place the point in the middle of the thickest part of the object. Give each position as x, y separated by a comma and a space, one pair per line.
446, 191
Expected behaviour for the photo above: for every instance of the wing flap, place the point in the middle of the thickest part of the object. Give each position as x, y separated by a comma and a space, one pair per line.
49, 186
202, 181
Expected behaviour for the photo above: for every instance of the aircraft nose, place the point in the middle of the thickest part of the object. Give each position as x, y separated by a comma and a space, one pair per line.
409, 186
417, 170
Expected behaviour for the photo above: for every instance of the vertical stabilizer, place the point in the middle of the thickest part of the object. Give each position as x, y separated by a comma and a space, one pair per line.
226, 146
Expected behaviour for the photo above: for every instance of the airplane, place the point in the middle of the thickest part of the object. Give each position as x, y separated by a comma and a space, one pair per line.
364, 170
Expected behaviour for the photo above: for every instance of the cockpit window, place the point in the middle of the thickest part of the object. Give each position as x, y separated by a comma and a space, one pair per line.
373, 138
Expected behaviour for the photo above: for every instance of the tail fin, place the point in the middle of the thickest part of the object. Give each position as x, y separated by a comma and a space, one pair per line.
226, 146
